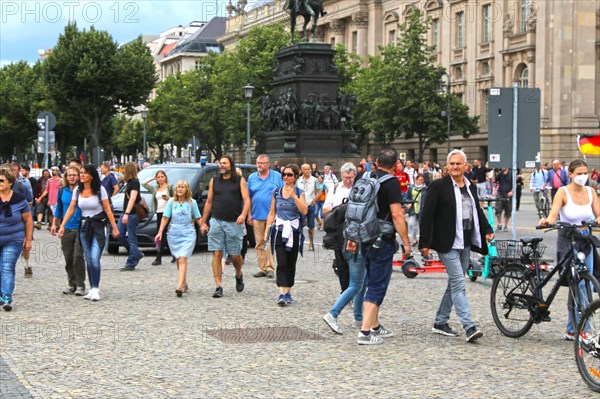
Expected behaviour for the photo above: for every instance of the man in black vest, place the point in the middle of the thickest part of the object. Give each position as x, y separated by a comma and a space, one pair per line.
229, 202
453, 223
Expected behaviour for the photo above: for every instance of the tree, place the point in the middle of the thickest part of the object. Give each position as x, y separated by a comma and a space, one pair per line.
89, 75
20, 92
397, 93
348, 65
209, 102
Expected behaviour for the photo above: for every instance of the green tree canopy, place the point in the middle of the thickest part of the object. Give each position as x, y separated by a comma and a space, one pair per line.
89, 75
398, 92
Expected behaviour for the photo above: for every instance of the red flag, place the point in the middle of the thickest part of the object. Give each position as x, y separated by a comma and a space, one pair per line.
589, 145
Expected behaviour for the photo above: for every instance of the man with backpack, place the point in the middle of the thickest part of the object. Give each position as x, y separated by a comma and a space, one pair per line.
373, 218
453, 224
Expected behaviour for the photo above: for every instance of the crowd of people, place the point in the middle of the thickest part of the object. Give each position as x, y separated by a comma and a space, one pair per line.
427, 206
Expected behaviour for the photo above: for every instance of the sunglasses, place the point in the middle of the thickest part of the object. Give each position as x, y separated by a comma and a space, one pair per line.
288, 175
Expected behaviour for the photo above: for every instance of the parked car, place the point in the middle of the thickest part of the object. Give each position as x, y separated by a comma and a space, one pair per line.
198, 176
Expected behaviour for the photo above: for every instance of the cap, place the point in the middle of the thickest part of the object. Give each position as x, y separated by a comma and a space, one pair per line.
54, 168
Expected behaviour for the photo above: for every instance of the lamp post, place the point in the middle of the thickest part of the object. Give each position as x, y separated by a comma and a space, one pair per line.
144, 112
448, 111
248, 94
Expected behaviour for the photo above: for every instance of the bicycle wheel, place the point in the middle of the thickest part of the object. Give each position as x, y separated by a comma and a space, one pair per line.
582, 294
508, 300
546, 207
587, 346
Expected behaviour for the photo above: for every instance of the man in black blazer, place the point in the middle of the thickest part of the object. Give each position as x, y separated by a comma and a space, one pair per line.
453, 224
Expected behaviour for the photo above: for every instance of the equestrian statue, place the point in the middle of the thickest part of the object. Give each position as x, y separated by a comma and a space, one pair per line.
310, 10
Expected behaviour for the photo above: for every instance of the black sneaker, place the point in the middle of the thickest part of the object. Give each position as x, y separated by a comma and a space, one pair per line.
173, 259
69, 290
260, 274
444, 329
239, 283
473, 334
157, 262
218, 292
28, 272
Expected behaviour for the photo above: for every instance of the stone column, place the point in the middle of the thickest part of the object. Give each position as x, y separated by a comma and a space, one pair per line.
338, 27
508, 71
361, 21
531, 67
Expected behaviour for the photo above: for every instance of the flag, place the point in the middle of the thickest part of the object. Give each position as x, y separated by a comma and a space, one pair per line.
588, 144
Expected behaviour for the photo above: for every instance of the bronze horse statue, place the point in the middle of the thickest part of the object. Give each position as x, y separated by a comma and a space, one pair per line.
310, 10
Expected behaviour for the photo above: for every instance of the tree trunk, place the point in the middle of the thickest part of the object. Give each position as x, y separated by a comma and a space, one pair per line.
421, 146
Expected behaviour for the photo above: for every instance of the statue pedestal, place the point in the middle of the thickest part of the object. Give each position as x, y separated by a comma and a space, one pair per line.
306, 118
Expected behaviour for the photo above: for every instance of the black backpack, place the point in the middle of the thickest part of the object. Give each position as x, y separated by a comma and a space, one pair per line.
334, 227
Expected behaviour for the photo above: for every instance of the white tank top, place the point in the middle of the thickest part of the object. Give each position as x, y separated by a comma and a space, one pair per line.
575, 214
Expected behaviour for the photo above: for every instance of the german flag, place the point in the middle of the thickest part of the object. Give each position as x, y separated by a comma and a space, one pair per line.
588, 144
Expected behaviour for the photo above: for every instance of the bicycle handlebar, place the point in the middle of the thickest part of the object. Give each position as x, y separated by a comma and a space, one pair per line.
563, 225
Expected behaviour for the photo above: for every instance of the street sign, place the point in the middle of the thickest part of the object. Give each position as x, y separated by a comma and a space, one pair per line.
403, 156
500, 123
41, 148
41, 120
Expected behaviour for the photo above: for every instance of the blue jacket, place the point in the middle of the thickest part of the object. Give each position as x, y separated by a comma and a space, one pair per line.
564, 177
64, 200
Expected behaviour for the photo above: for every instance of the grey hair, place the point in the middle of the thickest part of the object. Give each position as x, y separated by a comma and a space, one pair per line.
454, 152
265, 156
348, 167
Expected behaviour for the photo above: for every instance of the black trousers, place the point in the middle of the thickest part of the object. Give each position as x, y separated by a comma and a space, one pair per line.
286, 260
340, 267
163, 241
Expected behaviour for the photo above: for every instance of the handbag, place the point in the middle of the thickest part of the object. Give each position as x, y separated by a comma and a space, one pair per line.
141, 208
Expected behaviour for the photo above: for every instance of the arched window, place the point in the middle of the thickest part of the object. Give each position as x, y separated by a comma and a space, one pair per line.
524, 77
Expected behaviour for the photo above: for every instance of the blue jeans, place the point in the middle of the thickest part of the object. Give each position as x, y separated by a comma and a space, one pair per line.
319, 209
356, 289
379, 271
310, 217
130, 241
9, 254
456, 262
589, 262
92, 253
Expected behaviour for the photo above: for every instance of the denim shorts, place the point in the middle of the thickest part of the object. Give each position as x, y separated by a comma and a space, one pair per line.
225, 236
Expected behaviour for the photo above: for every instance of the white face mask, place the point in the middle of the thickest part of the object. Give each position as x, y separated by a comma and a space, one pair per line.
418, 185
580, 179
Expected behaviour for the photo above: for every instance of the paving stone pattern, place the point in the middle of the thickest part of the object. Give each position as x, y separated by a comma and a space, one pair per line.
141, 340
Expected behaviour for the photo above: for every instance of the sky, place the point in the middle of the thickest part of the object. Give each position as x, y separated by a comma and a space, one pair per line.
29, 26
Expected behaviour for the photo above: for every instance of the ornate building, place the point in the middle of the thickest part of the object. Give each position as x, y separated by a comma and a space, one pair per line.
552, 45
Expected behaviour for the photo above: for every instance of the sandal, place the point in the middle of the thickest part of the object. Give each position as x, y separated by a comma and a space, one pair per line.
185, 288
179, 292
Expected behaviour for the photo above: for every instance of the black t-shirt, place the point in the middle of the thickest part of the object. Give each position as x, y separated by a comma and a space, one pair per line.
467, 215
479, 174
505, 184
389, 193
133, 184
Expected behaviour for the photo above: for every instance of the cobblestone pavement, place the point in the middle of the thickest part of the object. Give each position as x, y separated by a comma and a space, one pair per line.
141, 340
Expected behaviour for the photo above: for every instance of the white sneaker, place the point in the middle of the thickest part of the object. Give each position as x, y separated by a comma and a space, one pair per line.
89, 294
369, 339
96, 294
333, 323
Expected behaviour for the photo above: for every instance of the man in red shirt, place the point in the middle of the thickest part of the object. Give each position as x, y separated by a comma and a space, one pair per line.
402, 177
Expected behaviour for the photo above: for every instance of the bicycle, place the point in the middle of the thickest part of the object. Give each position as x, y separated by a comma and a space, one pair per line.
545, 203
587, 346
516, 299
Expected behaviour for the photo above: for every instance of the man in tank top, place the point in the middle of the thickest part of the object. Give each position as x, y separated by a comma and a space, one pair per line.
229, 202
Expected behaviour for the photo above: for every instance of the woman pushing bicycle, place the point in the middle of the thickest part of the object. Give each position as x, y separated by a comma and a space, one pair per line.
575, 203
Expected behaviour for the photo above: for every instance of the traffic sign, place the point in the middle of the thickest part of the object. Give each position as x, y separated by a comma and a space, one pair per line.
41, 120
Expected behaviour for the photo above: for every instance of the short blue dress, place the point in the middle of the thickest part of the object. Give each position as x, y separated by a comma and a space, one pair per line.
182, 234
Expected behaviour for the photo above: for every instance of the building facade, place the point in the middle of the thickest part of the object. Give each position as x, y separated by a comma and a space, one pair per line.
551, 45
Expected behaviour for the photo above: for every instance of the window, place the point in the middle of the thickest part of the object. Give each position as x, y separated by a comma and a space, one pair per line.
524, 77
392, 36
435, 34
485, 68
460, 24
525, 10
355, 42
333, 42
487, 23
458, 73
198, 64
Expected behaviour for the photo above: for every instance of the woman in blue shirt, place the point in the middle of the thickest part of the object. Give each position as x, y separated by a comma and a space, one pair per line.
16, 228
182, 212
287, 206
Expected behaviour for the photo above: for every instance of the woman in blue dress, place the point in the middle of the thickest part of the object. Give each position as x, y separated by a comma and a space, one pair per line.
182, 212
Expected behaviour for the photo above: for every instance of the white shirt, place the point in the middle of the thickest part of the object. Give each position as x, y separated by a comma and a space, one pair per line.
330, 180
459, 242
308, 185
411, 174
335, 197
